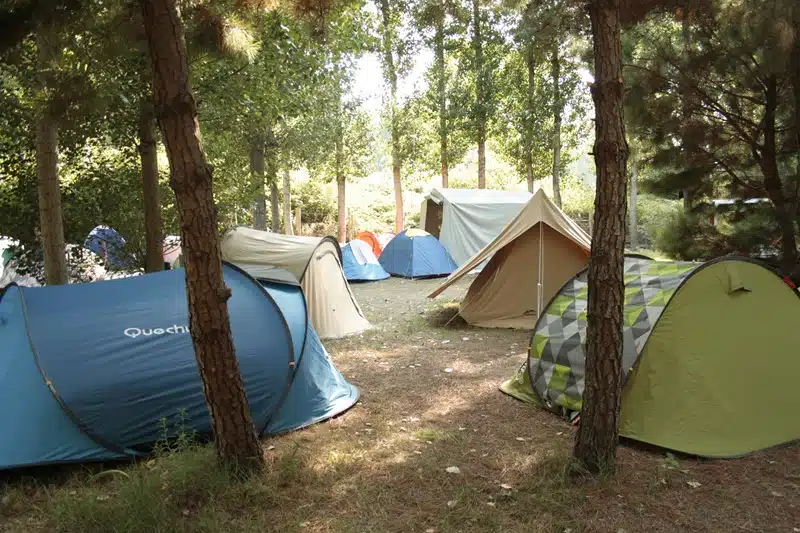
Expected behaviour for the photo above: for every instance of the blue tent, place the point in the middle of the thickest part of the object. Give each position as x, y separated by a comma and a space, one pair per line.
360, 264
414, 253
108, 244
89, 370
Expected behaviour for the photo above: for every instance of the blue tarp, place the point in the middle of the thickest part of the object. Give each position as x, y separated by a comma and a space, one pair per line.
360, 264
416, 254
108, 244
88, 371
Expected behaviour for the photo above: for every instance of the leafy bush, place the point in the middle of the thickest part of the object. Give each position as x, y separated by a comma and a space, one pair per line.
318, 207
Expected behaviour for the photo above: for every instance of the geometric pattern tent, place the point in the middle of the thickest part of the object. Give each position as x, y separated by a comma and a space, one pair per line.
416, 254
315, 261
691, 332
89, 370
532, 257
360, 264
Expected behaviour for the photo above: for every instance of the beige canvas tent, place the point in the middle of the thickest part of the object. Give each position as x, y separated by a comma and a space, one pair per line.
315, 262
535, 254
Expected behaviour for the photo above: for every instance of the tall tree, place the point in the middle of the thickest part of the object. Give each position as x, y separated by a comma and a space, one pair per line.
733, 88
481, 91
596, 442
558, 117
51, 220
148, 154
259, 181
191, 179
389, 22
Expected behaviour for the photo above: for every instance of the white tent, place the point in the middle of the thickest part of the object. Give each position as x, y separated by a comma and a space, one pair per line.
537, 252
315, 262
466, 220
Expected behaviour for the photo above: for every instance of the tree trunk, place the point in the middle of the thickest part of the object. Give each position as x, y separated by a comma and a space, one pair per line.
686, 111
480, 93
596, 443
287, 202
558, 110
50, 214
633, 229
530, 109
148, 155
274, 197
441, 82
340, 190
391, 74
768, 162
207, 294
258, 178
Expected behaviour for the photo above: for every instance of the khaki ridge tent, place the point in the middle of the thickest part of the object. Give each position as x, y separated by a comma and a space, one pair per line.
535, 254
315, 261
709, 359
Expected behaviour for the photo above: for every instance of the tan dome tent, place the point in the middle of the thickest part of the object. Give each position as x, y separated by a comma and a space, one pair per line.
315, 261
535, 254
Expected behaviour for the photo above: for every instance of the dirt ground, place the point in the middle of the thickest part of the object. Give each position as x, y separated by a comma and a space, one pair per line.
434, 447
430, 401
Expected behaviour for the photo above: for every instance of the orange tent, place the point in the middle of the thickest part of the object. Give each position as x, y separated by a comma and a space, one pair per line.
370, 238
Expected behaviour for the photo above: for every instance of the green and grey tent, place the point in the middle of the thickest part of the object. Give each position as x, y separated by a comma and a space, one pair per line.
711, 356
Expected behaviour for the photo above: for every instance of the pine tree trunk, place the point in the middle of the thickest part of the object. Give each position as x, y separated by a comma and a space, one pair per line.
558, 110
340, 191
794, 70
50, 214
391, 74
258, 179
148, 155
480, 90
191, 179
596, 443
768, 162
633, 226
685, 110
530, 108
287, 202
441, 81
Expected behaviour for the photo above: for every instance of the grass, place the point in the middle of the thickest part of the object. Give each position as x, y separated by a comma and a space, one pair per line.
382, 466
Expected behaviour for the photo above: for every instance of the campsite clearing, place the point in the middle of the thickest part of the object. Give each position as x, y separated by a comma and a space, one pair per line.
385, 465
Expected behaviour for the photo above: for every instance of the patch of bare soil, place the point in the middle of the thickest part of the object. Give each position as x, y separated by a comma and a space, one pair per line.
430, 401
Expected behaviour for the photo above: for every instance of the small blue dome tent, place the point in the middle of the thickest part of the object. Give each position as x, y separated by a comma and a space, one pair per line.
89, 370
108, 244
359, 262
414, 254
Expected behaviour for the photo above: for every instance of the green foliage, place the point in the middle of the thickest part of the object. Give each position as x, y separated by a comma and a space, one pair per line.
316, 205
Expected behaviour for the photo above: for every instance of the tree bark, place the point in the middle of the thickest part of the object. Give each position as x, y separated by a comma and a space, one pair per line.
441, 82
207, 294
287, 202
633, 229
480, 90
148, 155
558, 111
51, 223
768, 162
340, 191
258, 177
530, 107
686, 110
391, 74
596, 443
